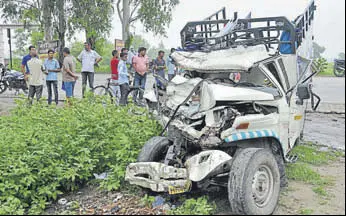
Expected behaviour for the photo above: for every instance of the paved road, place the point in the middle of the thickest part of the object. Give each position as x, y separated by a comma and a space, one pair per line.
100, 79
332, 92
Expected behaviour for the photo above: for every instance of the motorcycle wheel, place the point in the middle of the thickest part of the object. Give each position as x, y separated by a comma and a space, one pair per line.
3, 87
339, 72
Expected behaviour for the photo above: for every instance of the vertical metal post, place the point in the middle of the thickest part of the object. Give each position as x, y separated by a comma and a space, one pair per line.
10, 44
2, 47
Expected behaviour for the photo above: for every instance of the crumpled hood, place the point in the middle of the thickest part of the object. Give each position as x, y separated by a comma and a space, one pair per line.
180, 88
239, 59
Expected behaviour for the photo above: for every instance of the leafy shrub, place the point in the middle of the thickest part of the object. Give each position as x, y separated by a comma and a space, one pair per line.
46, 151
200, 206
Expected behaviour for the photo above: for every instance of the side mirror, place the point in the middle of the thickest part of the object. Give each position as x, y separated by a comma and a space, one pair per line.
303, 93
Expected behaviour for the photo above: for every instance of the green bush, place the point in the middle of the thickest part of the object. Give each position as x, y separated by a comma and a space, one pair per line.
46, 151
200, 206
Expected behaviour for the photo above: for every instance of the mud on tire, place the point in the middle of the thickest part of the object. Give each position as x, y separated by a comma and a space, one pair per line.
154, 150
254, 182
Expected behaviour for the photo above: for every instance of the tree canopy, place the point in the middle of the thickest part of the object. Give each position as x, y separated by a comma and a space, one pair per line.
155, 15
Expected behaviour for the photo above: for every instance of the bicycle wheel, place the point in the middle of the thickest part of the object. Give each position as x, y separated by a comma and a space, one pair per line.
103, 95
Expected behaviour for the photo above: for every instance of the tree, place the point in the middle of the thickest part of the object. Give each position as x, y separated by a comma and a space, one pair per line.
318, 50
139, 41
341, 56
155, 15
92, 16
322, 64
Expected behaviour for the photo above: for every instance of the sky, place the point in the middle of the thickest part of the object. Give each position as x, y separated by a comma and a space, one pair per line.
329, 24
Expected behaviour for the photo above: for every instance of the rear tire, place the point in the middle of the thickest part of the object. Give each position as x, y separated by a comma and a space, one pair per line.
254, 182
3, 87
154, 150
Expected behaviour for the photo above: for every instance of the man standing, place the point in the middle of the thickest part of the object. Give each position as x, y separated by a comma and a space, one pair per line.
36, 77
124, 50
32, 54
159, 67
52, 66
130, 56
115, 74
69, 76
88, 58
123, 79
141, 66
171, 66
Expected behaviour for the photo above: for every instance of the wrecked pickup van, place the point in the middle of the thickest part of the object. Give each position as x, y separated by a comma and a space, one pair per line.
235, 134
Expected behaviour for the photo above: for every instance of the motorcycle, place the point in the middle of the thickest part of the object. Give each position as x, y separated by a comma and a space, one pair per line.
339, 68
10, 79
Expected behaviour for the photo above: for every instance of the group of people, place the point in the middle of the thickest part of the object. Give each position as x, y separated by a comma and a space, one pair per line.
37, 71
139, 63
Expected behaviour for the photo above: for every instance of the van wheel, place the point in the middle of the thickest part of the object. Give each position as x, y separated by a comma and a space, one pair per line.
254, 182
154, 150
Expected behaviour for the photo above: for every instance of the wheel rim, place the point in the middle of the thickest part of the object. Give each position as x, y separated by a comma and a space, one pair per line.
263, 186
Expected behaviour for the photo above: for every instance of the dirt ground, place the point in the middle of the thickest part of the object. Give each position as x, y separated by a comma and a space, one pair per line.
299, 198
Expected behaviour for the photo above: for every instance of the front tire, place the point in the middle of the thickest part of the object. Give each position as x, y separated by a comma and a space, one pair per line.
254, 182
154, 150
3, 87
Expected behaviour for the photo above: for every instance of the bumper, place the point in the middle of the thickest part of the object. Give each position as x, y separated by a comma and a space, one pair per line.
158, 177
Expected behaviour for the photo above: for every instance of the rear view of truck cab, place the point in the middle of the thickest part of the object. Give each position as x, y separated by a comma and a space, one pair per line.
232, 124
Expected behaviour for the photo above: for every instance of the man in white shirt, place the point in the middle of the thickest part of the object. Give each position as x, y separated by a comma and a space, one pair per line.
88, 58
36, 78
130, 56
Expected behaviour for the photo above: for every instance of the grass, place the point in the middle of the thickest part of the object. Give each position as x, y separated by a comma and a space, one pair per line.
302, 171
306, 211
320, 190
329, 71
310, 154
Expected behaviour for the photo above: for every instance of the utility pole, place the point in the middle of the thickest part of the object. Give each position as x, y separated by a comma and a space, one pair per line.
2, 43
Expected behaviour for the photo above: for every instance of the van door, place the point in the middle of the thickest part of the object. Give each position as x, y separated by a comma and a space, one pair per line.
298, 110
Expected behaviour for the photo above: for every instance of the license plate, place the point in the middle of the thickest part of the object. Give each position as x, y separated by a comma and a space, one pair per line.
172, 190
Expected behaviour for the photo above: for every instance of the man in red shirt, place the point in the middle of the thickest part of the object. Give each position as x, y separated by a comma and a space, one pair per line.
115, 74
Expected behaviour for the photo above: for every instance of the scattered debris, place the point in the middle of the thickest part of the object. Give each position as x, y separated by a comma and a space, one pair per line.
159, 201
102, 176
62, 201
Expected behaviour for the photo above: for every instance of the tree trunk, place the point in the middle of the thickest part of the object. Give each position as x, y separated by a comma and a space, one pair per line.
62, 28
47, 19
126, 20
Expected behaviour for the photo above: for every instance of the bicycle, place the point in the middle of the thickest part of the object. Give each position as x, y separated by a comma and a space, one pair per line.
107, 93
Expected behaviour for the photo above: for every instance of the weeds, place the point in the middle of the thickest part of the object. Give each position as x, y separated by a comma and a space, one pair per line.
46, 151
200, 206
